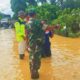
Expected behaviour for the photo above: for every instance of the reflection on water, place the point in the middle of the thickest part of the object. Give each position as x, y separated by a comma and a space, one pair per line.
63, 65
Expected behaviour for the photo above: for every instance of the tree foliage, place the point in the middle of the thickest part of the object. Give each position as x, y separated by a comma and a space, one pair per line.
0, 15
17, 5
63, 12
69, 21
52, 1
46, 11
42, 1
31, 2
69, 4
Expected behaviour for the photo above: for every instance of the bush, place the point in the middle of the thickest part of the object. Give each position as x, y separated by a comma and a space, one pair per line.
70, 19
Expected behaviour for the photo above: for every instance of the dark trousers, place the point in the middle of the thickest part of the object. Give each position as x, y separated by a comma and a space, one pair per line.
46, 50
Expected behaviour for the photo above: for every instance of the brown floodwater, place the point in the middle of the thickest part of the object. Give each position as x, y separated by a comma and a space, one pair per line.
63, 65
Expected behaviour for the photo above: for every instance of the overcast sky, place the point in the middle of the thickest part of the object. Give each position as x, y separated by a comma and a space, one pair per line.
5, 6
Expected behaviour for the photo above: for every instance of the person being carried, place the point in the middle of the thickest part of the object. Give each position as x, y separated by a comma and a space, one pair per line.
49, 33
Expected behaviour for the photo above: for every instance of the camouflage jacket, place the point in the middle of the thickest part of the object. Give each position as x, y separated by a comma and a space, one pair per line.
35, 33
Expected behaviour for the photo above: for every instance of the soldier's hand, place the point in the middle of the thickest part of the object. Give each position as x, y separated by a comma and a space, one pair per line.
28, 49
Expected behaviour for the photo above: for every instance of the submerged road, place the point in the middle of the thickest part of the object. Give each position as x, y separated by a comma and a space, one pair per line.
63, 65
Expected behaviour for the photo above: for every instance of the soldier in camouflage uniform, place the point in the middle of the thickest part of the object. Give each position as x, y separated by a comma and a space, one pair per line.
36, 40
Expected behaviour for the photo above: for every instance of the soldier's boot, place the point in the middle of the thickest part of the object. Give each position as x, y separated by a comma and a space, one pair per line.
21, 56
34, 75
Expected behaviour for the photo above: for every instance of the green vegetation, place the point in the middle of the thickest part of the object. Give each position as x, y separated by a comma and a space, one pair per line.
1, 15
63, 12
69, 21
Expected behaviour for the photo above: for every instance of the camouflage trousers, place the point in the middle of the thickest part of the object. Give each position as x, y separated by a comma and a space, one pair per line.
35, 59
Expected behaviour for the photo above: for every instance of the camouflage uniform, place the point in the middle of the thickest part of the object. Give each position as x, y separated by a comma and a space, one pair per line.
36, 40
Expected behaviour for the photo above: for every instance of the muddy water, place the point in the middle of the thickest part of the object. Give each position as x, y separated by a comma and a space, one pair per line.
66, 58
63, 65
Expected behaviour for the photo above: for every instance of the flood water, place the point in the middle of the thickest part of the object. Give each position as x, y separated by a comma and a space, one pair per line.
63, 65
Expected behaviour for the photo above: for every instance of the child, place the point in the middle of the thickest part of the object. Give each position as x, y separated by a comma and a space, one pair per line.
46, 47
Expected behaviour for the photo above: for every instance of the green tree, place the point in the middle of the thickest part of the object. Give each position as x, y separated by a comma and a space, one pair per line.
68, 4
47, 12
71, 4
69, 21
52, 1
42, 1
31, 2
60, 3
17, 5
0, 15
